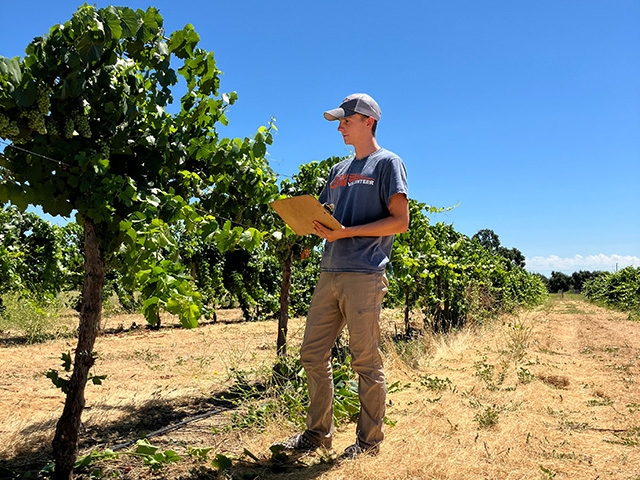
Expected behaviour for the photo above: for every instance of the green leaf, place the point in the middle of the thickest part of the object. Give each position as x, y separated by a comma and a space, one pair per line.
97, 379
182, 42
113, 28
10, 68
143, 447
89, 49
221, 462
130, 22
200, 452
189, 317
66, 361
150, 301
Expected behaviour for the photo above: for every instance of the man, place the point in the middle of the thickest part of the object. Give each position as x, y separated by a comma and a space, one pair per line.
369, 195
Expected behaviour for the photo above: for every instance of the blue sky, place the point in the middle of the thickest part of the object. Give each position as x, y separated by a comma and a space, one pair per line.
526, 115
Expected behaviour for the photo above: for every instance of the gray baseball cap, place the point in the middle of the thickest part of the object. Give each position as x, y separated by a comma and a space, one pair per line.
355, 103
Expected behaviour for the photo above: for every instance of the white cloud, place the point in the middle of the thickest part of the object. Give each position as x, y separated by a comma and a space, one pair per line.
569, 265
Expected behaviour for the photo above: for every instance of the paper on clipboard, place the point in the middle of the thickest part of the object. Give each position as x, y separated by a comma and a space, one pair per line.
300, 212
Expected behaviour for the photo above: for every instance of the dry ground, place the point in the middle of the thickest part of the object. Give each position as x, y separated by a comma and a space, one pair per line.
551, 393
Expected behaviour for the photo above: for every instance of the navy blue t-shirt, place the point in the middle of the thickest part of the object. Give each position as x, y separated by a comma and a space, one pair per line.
360, 190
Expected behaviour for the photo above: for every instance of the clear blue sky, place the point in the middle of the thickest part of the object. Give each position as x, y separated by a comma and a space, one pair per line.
526, 115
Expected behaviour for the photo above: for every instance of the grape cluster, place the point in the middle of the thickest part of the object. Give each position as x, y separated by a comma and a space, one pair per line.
105, 151
82, 124
68, 128
8, 129
43, 101
35, 120
52, 126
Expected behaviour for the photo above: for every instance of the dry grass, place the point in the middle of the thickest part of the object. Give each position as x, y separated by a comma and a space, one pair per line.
551, 393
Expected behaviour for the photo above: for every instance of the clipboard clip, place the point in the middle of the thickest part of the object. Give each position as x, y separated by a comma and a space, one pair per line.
329, 207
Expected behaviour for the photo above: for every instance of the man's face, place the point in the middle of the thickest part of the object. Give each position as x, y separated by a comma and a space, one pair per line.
355, 128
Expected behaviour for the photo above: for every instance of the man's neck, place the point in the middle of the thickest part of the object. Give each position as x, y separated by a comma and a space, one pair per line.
366, 148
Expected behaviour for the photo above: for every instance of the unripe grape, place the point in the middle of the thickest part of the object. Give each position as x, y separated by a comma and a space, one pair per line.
68, 128
82, 124
52, 127
42, 100
36, 121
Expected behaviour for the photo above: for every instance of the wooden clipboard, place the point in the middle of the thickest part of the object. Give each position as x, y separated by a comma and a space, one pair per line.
300, 213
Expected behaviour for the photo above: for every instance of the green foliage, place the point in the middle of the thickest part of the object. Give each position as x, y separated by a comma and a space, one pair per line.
283, 242
525, 376
86, 461
434, 383
452, 278
490, 240
619, 290
284, 395
88, 107
559, 282
37, 258
37, 319
222, 462
199, 453
488, 418
152, 456
304, 278
63, 383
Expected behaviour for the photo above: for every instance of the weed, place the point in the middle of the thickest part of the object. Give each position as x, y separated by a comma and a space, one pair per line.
37, 319
151, 455
572, 309
396, 387
285, 395
574, 425
411, 350
518, 339
633, 407
613, 350
600, 402
525, 376
548, 473
199, 453
486, 371
436, 384
488, 417
629, 438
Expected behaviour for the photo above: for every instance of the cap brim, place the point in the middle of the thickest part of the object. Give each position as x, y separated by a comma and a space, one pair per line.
338, 113
334, 114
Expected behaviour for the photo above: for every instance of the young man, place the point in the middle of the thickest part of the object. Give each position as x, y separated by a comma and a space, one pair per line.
369, 195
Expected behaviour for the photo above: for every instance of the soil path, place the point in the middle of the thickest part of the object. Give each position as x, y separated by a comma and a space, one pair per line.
553, 393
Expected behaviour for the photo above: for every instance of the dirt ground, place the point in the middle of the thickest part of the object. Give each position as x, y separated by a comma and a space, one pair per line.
552, 393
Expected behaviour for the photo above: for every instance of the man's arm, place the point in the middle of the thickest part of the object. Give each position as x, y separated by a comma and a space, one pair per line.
396, 222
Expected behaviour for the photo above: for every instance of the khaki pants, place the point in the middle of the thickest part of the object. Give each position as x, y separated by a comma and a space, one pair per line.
354, 299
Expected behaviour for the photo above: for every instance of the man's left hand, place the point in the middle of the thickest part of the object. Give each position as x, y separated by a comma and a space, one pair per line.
328, 234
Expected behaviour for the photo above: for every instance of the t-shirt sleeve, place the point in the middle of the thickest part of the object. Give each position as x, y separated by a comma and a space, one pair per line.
394, 179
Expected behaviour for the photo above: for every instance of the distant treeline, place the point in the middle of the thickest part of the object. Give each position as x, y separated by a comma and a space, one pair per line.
561, 282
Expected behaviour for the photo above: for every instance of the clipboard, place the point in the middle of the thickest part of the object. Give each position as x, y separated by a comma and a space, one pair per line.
300, 212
